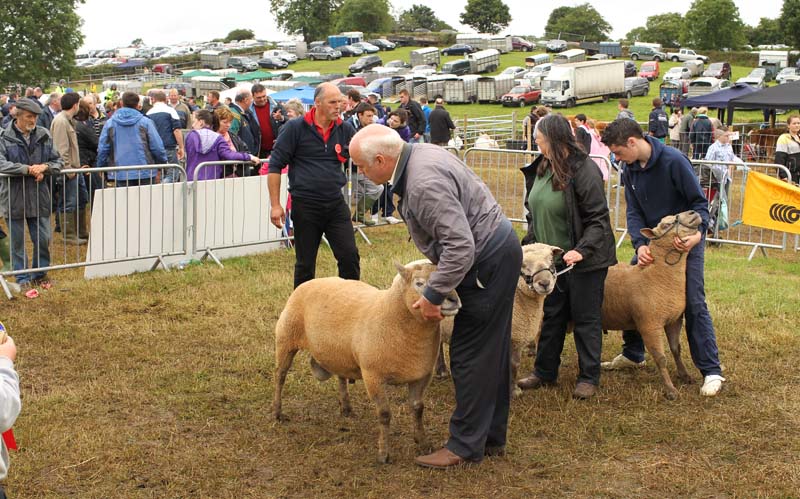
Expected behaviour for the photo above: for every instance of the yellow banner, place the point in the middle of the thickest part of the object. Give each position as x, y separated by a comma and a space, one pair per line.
771, 203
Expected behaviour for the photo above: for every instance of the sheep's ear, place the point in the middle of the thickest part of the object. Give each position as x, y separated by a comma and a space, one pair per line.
556, 251
404, 272
648, 233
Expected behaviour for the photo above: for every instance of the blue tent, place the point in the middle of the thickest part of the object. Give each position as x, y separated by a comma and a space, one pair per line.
305, 94
720, 98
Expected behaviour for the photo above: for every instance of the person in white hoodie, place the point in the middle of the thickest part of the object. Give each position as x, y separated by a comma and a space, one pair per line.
10, 403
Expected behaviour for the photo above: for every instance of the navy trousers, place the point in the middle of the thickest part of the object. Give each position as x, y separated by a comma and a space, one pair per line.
312, 219
479, 352
699, 328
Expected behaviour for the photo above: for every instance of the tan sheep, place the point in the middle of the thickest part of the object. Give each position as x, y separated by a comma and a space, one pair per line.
652, 299
356, 331
537, 280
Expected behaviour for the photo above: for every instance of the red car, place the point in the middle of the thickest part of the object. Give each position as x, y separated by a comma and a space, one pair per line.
650, 70
521, 95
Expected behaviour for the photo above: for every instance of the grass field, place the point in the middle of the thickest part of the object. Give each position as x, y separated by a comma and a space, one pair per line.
159, 384
640, 106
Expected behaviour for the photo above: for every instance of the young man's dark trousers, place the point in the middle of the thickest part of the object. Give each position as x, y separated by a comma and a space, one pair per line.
311, 219
479, 352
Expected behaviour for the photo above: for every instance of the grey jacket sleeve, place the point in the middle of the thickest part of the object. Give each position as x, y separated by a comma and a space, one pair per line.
436, 206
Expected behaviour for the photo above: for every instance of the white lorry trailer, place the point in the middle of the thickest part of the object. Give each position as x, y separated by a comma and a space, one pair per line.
567, 84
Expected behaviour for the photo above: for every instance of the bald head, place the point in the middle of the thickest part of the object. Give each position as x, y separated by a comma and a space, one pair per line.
375, 149
327, 98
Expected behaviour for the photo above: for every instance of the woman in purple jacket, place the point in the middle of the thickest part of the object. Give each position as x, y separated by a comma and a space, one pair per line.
203, 144
398, 120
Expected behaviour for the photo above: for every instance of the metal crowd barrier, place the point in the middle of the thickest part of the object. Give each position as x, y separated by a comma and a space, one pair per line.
232, 212
109, 234
499, 170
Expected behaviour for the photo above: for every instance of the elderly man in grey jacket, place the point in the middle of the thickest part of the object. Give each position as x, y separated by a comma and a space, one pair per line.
456, 223
28, 155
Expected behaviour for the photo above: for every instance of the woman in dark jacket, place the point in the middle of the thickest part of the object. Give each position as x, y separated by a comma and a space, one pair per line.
88, 137
567, 208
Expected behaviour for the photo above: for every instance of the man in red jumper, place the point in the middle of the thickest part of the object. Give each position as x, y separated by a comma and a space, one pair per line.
269, 117
316, 148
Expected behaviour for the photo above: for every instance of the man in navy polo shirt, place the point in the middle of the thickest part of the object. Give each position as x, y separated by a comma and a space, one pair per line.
316, 148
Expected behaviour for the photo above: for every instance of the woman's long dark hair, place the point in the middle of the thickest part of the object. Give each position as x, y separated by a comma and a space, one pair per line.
558, 133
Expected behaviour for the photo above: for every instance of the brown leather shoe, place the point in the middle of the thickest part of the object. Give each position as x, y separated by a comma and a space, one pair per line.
584, 390
442, 459
533, 382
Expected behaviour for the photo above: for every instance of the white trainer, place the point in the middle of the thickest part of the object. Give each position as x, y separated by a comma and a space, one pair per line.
712, 384
392, 220
621, 362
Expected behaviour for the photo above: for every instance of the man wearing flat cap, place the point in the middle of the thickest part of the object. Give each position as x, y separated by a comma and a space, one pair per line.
28, 155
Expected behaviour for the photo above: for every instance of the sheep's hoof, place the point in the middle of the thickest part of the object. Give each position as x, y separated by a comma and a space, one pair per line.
686, 379
280, 417
424, 446
671, 394
347, 411
516, 392
383, 458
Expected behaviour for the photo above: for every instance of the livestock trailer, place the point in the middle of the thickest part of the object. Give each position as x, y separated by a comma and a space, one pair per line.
479, 41
484, 61
491, 88
435, 86
501, 43
214, 59
462, 90
611, 49
427, 55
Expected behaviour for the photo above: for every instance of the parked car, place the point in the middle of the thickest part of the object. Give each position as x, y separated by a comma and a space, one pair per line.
242, 64
515, 71
272, 63
630, 68
324, 52
518, 43
350, 50
397, 63
556, 45
458, 67
762, 73
650, 70
753, 81
459, 49
383, 43
636, 86
365, 63
678, 73
366, 47
721, 70
423, 70
281, 54
647, 53
788, 74
163, 68
706, 85
521, 95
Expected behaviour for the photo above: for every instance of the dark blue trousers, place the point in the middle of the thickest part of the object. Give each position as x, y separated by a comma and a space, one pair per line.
699, 328
312, 219
479, 352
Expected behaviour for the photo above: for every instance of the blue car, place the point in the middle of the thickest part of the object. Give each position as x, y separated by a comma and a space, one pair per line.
458, 49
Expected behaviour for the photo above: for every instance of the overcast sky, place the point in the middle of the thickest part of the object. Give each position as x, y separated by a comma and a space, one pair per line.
165, 23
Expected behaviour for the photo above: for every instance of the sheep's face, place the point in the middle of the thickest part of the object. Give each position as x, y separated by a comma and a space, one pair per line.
415, 275
683, 225
538, 272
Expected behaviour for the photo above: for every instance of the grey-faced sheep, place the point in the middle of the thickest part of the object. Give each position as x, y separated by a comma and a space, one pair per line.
356, 331
537, 280
652, 299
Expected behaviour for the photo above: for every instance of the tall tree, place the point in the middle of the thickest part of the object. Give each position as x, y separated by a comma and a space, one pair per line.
665, 29
789, 22
637, 35
582, 20
420, 16
240, 34
486, 16
38, 40
137, 42
713, 25
364, 15
768, 32
313, 19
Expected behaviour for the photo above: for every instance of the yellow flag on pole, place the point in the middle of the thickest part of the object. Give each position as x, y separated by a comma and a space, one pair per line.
771, 203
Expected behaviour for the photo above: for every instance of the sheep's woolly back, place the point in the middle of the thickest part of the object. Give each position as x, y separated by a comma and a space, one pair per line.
350, 326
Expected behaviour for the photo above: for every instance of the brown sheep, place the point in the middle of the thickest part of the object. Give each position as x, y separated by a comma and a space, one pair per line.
537, 280
356, 331
652, 299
